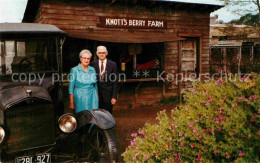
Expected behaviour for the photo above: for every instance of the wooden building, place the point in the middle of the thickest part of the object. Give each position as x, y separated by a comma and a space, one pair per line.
155, 39
234, 48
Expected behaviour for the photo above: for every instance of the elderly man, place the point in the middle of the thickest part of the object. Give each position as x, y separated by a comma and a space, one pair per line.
107, 79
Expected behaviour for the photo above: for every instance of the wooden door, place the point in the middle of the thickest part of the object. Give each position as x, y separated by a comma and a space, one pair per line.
188, 55
189, 61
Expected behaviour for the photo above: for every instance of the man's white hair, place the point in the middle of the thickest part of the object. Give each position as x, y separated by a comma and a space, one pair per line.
85, 51
101, 47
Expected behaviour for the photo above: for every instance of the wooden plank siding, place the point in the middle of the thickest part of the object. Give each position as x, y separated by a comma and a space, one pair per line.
82, 22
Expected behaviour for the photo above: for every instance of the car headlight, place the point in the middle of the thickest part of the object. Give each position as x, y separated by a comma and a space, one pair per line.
2, 134
67, 123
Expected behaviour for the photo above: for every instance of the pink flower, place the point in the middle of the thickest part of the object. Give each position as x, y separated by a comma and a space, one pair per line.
141, 132
215, 151
168, 147
209, 101
252, 119
224, 98
180, 133
204, 130
219, 82
192, 146
241, 97
136, 149
146, 157
177, 159
134, 135
221, 110
195, 130
133, 143
154, 138
199, 157
244, 79
182, 144
259, 132
241, 153
253, 97
156, 155
191, 125
218, 119
219, 129
245, 100
201, 136
205, 92
228, 156
193, 89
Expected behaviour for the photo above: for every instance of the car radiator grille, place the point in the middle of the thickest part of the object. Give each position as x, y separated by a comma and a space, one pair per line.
29, 127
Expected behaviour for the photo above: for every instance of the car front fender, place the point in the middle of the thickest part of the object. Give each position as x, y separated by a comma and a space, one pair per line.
100, 117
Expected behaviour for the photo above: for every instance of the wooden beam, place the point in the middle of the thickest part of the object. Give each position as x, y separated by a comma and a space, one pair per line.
190, 34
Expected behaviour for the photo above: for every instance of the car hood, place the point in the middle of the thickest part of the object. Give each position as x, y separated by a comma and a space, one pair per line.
13, 94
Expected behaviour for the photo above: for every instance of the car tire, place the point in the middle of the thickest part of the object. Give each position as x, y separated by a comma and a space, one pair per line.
102, 145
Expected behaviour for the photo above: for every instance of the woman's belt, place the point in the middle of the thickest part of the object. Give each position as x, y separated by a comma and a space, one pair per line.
85, 86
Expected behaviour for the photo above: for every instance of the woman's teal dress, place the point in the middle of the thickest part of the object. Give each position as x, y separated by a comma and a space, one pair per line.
83, 85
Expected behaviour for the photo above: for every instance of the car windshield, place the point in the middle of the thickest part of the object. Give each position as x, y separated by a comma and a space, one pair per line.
27, 55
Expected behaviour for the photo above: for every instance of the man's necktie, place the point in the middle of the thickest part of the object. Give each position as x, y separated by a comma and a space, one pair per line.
102, 73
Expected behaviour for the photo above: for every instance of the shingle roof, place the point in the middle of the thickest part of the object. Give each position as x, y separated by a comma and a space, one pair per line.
188, 5
206, 2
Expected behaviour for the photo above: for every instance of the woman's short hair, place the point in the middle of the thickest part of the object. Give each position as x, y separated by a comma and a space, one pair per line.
85, 51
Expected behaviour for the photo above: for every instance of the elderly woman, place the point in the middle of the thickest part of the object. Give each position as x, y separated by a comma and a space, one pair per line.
83, 85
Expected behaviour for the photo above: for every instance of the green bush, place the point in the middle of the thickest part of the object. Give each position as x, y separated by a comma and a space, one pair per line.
219, 122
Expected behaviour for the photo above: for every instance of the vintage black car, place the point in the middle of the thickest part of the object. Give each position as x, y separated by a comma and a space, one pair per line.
34, 126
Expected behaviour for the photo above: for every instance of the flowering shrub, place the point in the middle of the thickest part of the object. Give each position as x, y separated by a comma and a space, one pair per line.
219, 122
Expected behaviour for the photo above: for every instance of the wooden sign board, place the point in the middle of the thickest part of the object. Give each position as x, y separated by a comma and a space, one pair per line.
114, 22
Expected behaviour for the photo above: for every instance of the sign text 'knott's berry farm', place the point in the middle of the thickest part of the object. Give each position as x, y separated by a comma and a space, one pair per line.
112, 22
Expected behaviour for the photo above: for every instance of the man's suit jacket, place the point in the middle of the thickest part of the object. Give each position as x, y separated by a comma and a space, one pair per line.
107, 88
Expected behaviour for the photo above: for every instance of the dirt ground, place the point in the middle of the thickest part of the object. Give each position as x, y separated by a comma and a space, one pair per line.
130, 120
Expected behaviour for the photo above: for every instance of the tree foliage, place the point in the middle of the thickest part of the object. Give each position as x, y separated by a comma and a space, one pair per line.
248, 19
242, 6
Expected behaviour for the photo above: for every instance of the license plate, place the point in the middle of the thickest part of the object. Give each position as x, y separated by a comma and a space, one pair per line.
39, 158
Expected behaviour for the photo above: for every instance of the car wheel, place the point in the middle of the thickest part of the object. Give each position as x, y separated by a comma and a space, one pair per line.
102, 146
